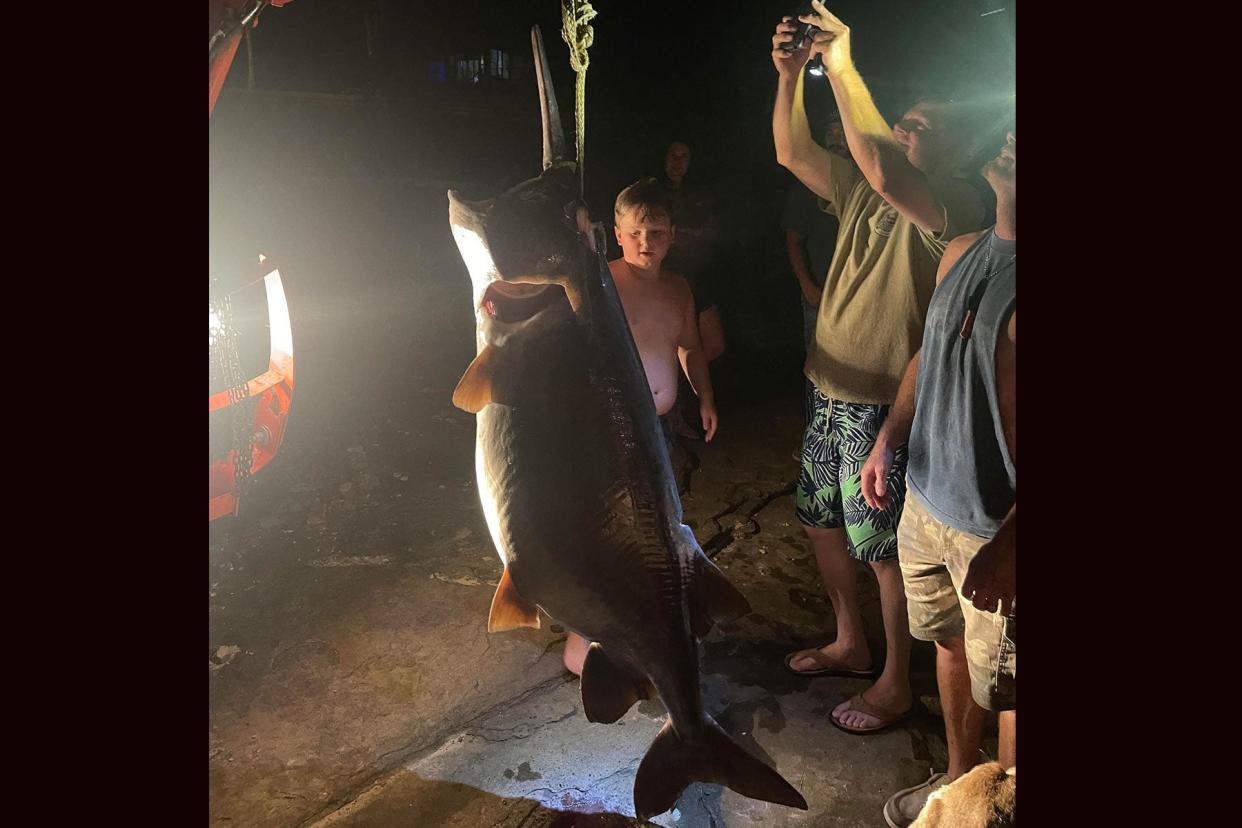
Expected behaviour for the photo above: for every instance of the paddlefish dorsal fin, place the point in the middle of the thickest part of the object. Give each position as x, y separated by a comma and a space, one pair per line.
509, 609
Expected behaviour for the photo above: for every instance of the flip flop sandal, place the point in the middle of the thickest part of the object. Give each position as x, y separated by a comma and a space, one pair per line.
887, 718
826, 668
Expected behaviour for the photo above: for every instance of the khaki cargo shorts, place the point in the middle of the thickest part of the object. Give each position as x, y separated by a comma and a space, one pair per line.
934, 559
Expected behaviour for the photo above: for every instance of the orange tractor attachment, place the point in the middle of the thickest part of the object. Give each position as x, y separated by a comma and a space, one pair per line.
254, 443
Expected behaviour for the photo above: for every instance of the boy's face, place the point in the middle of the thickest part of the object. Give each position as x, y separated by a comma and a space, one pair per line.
644, 242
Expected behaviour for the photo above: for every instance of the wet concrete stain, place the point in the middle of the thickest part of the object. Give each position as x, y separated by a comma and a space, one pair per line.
782, 630
525, 774
754, 663
743, 717
783, 578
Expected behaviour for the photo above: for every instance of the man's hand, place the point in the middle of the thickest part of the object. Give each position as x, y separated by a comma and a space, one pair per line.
991, 580
875, 476
788, 64
707, 412
833, 41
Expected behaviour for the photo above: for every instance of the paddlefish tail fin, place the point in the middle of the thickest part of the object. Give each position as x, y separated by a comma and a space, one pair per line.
712, 756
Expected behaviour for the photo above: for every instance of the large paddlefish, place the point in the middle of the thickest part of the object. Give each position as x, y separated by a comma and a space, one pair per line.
575, 479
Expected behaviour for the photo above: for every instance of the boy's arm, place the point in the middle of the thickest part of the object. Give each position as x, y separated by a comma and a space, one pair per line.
693, 362
881, 159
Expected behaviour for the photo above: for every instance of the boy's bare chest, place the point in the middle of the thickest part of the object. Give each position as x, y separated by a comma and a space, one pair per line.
651, 310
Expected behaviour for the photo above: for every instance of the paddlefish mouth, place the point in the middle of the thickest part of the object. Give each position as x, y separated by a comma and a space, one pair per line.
510, 302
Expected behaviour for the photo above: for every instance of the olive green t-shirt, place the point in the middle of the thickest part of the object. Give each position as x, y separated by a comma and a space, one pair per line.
879, 285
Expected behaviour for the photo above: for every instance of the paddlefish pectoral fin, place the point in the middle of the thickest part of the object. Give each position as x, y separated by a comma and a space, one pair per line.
671, 764
509, 609
713, 599
481, 384
609, 690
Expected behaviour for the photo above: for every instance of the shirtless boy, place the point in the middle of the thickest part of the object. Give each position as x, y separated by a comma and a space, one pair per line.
660, 309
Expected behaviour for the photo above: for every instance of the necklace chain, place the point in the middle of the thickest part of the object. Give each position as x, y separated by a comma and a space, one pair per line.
987, 263
968, 322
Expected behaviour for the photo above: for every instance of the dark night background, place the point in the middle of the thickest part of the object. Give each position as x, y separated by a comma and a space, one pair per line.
659, 71
340, 90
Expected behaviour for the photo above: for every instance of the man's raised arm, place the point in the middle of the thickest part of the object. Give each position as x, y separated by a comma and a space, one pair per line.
795, 149
879, 156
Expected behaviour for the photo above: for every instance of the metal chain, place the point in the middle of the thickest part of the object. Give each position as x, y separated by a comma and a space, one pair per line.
227, 362
1006, 643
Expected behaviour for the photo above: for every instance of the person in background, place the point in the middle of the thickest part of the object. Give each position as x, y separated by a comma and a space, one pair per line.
811, 225
694, 251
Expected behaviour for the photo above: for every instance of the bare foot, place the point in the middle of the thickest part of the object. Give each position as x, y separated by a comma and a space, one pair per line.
575, 653
880, 695
836, 655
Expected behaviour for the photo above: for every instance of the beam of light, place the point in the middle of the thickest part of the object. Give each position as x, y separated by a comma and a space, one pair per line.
213, 326
478, 260
993, 11
278, 314
491, 510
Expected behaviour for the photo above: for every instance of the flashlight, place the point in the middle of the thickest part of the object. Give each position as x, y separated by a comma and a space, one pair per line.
801, 37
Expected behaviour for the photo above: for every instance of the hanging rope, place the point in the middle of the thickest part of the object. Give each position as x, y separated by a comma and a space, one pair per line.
577, 32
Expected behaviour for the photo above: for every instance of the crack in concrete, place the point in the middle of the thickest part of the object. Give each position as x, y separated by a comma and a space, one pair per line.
548, 648
559, 792
366, 662
757, 504
513, 730
627, 769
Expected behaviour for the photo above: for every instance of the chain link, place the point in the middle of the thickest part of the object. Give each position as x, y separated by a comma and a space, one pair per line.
226, 365
1008, 635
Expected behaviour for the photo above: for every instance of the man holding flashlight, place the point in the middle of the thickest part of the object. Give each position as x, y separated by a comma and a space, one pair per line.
898, 208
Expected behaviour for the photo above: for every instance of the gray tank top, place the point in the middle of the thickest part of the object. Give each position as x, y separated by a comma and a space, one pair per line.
959, 466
